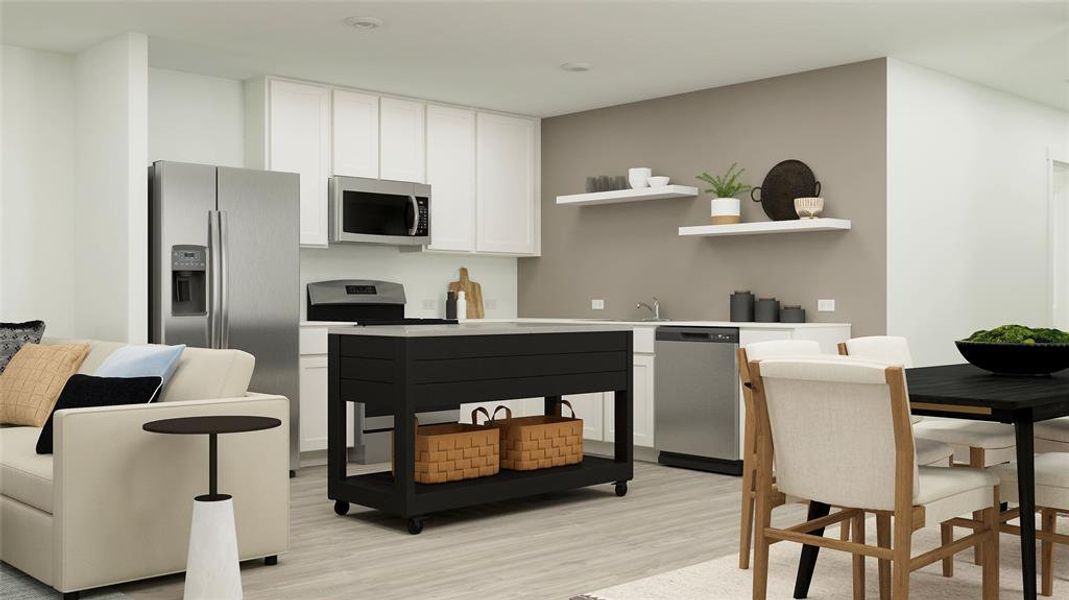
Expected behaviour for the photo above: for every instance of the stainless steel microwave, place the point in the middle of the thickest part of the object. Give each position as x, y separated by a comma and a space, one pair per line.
378, 211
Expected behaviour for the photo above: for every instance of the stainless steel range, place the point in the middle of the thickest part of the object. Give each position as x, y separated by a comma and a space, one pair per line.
368, 303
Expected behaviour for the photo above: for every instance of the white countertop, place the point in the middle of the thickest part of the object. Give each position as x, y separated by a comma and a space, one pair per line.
607, 322
469, 328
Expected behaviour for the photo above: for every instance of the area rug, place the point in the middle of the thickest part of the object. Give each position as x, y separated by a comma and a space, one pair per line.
722, 579
16, 585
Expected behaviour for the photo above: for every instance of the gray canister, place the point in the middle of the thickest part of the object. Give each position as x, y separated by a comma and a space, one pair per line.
742, 305
792, 314
766, 310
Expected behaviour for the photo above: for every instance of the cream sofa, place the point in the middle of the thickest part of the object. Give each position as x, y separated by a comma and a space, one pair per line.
114, 502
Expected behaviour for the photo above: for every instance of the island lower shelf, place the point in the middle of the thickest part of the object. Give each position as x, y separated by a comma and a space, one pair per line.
380, 490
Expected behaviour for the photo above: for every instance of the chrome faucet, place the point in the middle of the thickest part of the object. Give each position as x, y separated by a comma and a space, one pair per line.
655, 310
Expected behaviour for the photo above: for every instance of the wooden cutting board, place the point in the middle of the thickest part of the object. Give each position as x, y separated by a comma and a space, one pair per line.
473, 294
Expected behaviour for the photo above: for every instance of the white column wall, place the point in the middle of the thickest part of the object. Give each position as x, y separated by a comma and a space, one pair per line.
111, 236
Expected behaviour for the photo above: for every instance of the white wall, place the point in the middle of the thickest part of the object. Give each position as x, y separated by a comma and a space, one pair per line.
967, 209
195, 118
425, 276
111, 237
37, 197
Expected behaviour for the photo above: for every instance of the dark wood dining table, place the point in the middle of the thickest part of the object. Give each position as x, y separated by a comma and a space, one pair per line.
967, 392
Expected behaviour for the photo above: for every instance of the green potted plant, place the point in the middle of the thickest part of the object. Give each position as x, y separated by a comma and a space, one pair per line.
725, 208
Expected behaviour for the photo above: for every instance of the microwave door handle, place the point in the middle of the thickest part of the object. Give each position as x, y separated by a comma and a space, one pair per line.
224, 281
414, 226
214, 249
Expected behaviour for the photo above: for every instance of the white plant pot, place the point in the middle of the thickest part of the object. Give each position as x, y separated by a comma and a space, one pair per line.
724, 211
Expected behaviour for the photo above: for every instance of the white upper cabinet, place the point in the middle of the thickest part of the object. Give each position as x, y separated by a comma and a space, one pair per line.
507, 184
356, 134
401, 141
451, 174
298, 141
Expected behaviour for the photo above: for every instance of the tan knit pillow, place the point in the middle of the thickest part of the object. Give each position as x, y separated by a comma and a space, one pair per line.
32, 381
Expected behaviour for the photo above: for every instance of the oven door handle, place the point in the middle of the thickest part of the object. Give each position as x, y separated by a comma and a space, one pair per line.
414, 226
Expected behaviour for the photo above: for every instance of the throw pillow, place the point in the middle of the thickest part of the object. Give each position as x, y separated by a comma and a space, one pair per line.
83, 391
14, 335
142, 361
33, 380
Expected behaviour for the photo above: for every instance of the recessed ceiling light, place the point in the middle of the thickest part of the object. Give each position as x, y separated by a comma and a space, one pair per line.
576, 67
363, 23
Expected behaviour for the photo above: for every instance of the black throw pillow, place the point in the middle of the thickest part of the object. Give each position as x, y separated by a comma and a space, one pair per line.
83, 391
14, 335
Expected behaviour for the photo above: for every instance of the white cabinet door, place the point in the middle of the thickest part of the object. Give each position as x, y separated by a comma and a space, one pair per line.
589, 408
642, 403
451, 173
313, 390
356, 134
299, 124
507, 180
401, 141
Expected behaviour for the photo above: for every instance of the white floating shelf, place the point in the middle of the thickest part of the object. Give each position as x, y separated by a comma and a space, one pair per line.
617, 196
766, 227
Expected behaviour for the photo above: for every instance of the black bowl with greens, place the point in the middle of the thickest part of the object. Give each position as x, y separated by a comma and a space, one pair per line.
1017, 350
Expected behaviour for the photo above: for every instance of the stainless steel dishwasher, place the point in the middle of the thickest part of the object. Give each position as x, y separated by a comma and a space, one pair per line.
696, 400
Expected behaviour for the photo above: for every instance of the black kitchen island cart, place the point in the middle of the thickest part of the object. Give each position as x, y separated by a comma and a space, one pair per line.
401, 371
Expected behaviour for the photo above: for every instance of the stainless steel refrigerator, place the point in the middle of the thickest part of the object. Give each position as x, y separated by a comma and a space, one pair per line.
224, 268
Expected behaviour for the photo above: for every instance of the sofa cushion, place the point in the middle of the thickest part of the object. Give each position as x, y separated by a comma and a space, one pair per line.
33, 380
14, 335
202, 373
25, 475
83, 391
142, 360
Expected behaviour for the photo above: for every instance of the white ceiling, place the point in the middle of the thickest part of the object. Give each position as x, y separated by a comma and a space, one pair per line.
506, 55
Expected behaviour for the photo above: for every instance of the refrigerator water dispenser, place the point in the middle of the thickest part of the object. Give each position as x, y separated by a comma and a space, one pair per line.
189, 290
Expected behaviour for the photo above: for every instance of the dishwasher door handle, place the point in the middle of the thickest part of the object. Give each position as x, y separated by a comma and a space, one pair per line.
692, 335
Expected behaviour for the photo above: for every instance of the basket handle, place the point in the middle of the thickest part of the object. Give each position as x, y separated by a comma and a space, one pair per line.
474, 417
508, 413
570, 407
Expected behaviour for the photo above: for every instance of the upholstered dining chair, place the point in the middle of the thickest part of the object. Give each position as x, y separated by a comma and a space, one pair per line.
928, 452
758, 351
839, 432
1052, 499
977, 443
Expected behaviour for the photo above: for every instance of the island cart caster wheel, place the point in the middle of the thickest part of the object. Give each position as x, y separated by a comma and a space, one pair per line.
621, 488
415, 526
341, 507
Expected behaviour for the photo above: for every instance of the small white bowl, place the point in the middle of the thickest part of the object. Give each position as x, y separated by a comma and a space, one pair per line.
658, 181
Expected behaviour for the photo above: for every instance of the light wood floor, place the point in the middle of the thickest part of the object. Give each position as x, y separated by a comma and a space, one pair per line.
548, 547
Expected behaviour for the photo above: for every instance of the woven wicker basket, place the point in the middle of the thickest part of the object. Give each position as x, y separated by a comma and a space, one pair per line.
456, 451
529, 443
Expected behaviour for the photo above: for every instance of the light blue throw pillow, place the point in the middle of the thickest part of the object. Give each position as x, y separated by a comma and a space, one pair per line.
142, 361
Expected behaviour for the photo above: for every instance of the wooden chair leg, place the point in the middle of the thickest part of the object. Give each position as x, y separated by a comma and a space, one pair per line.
900, 555
883, 540
746, 524
947, 535
1049, 525
977, 460
859, 559
990, 566
844, 530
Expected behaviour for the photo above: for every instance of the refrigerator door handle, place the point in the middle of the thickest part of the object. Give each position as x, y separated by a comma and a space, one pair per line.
224, 281
214, 282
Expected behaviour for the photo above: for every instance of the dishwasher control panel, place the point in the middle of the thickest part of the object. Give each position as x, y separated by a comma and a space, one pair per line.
716, 335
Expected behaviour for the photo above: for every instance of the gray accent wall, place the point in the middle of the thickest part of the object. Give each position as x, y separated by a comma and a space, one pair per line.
833, 119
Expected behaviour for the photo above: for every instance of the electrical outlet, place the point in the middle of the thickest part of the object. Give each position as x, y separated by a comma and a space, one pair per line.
826, 305
490, 304
430, 304
597, 304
